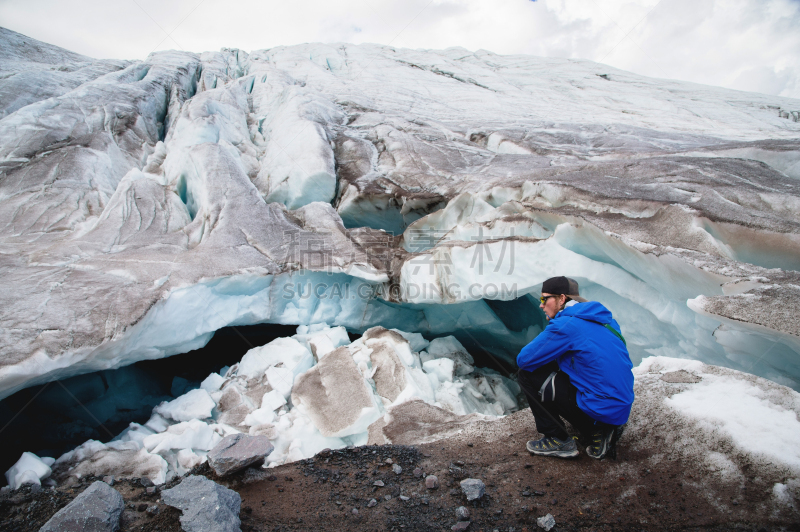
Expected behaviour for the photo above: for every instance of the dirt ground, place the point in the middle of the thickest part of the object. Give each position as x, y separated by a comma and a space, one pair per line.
332, 491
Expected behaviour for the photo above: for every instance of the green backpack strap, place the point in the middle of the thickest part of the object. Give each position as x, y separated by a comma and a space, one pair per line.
616, 333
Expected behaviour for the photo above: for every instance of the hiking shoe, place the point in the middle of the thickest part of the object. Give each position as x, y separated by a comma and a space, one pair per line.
553, 447
602, 443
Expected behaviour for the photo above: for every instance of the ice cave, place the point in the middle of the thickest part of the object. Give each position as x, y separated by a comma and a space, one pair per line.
347, 229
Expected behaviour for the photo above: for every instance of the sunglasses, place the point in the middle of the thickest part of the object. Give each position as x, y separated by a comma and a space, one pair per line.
544, 299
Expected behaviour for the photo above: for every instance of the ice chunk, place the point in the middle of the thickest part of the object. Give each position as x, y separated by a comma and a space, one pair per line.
121, 459
157, 423
29, 469
193, 434
448, 396
450, 347
187, 459
396, 342
395, 369
260, 416
321, 345
442, 367
335, 396
233, 404
281, 380
212, 383
135, 433
298, 437
416, 341
196, 404
287, 351
389, 372
273, 400
497, 389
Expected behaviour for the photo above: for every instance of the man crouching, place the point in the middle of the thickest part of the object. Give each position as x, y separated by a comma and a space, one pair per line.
578, 368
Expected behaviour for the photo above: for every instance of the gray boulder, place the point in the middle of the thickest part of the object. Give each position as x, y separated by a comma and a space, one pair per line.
238, 451
206, 506
97, 509
473, 488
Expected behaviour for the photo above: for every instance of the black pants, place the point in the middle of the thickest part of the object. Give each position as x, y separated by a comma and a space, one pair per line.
563, 404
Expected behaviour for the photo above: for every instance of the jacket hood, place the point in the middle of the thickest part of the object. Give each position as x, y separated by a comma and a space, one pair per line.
591, 311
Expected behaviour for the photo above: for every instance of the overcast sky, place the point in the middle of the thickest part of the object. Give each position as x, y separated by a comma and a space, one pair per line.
742, 44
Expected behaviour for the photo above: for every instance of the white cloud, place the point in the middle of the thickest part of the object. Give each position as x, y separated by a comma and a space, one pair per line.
741, 44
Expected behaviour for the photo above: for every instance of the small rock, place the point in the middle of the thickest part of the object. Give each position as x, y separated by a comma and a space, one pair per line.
238, 451
354, 511
97, 509
389, 461
462, 513
378, 483
151, 490
417, 472
431, 482
152, 510
526, 493
109, 479
146, 482
397, 469
469, 445
205, 504
371, 503
5, 489
141, 508
461, 525
473, 488
404, 498
387, 497
36, 488
547, 522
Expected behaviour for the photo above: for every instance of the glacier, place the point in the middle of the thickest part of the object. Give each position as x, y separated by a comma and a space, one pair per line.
145, 205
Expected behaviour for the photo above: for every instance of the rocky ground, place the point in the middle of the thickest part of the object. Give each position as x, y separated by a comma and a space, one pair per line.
335, 490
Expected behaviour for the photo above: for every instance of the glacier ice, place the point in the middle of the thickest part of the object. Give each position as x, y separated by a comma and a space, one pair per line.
147, 204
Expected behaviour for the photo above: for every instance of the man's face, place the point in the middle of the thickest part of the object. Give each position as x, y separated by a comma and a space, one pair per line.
552, 304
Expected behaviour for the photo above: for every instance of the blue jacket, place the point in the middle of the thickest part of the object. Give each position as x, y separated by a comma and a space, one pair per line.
597, 362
